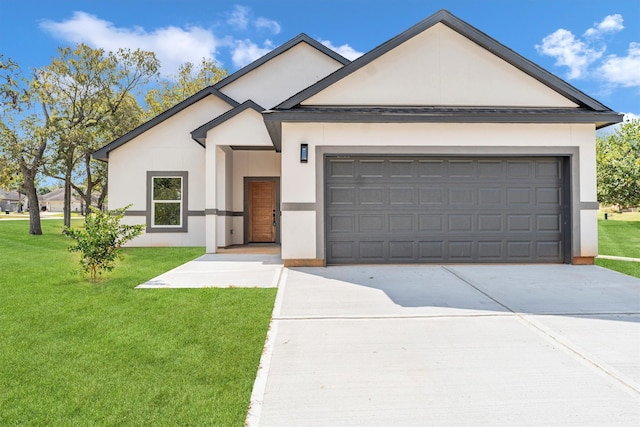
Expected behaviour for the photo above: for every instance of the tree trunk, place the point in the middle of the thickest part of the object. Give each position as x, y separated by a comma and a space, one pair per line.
67, 200
103, 195
87, 196
34, 211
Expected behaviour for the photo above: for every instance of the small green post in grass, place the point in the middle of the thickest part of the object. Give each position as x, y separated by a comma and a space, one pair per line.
100, 239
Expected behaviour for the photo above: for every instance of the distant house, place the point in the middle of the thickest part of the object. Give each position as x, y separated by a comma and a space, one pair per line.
10, 201
54, 201
441, 145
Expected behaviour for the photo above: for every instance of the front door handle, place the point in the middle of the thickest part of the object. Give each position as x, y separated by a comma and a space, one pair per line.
274, 217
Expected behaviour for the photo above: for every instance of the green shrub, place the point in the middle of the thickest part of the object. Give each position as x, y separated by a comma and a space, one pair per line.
100, 239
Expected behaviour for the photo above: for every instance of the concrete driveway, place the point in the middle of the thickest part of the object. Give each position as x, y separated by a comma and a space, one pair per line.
451, 345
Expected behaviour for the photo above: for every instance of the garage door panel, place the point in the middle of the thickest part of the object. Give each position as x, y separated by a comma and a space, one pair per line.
519, 223
340, 195
461, 223
548, 250
341, 169
402, 196
550, 169
491, 169
518, 197
490, 250
549, 222
399, 223
372, 196
462, 169
401, 169
368, 224
371, 251
342, 223
462, 195
444, 210
370, 169
431, 223
548, 196
491, 196
432, 196
460, 251
431, 169
488, 223
519, 169
402, 251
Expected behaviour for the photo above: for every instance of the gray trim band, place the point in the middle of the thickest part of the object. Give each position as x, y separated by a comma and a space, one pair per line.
144, 213
299, 206
219, 212
589, 206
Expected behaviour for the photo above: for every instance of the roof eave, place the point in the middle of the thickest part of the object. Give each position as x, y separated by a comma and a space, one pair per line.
274, 118
103, 152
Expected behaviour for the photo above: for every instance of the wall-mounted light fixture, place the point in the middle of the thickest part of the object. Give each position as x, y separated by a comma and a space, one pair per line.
304, 153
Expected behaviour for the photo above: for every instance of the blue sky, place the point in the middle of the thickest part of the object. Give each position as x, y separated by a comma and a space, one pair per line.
592, 44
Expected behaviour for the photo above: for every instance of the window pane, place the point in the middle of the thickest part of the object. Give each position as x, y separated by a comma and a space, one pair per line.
167, 188
166, 213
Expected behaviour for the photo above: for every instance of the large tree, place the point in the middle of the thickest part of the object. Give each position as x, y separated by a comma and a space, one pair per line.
24, 134
190, 79
88, 89
618, 162
23, 142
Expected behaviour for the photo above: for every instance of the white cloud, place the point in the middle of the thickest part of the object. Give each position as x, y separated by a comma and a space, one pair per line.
610, 24
569, 51
239, 17
623, 71
585, 56
344, 50
267, 24
245, 51
631, 116
172, 45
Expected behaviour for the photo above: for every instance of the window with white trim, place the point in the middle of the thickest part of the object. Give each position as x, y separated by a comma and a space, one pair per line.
167, 201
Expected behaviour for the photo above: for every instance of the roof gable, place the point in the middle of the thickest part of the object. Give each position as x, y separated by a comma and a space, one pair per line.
200, 134
443, 18
282, 72
103, 153
276, 52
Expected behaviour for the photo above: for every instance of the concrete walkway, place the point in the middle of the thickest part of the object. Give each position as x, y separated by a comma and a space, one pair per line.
451, 346
240, 268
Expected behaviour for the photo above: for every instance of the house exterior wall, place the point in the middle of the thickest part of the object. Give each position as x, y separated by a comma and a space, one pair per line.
58, 206
165, 147
303, 185
282, 77
439, 67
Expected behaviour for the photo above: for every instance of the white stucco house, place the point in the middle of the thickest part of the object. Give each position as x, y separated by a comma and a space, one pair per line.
440, 145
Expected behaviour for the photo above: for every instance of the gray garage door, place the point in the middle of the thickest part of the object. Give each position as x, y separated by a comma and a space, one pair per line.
445, 210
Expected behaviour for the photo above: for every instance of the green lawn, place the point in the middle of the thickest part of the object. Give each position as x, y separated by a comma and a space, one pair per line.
619, 238
76, 353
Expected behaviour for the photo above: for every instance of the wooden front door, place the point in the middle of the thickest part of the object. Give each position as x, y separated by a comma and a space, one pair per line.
262, 212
